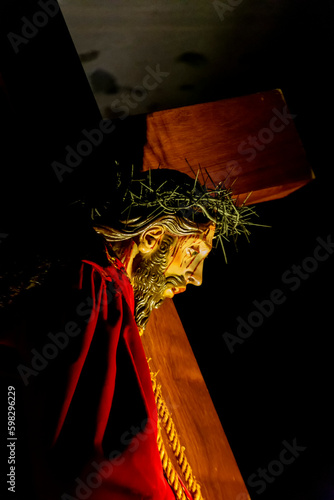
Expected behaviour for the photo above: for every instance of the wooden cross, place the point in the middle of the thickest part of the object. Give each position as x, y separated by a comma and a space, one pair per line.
251, 144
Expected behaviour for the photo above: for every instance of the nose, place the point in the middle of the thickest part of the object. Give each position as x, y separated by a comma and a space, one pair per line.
195, 277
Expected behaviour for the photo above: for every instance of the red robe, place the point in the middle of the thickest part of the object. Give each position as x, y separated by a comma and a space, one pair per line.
91, 415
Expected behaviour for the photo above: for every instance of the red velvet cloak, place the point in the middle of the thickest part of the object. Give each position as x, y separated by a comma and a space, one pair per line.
91, 415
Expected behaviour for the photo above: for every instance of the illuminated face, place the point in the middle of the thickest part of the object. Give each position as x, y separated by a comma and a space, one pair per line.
186, 260
167, 264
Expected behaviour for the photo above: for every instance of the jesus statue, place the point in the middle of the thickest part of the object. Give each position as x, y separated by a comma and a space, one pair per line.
74, 329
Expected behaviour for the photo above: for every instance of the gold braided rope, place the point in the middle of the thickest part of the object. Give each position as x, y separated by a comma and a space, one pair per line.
165, 421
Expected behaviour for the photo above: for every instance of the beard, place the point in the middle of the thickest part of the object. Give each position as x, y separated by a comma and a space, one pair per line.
150, 283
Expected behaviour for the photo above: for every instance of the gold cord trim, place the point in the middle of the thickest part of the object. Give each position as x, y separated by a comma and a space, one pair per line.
165, 421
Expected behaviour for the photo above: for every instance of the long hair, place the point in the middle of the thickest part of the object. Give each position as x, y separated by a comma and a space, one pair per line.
180, 204
173, 225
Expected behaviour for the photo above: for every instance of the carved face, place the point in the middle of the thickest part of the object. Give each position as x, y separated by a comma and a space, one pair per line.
186, 260
168, 264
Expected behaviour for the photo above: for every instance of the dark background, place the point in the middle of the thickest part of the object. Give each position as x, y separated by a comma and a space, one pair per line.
277, 385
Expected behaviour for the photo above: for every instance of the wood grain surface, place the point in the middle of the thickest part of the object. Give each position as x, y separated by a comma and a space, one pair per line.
191, 407
249, 142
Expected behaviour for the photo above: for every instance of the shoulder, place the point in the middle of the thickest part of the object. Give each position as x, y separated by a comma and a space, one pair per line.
112, 277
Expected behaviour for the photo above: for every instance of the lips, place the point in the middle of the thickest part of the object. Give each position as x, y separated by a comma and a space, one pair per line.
170, 292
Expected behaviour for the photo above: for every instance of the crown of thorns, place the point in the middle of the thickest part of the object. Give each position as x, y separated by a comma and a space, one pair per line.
161, 192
